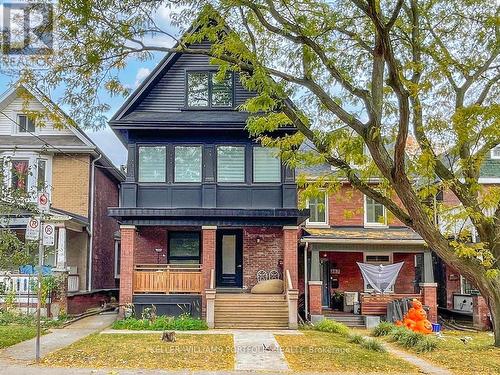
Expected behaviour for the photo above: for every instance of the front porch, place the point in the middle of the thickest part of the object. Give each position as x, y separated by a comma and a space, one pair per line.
208, 272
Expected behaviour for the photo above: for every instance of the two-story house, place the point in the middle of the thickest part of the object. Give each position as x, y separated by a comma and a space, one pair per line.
457, 295
205, 211
48, 153
346, 228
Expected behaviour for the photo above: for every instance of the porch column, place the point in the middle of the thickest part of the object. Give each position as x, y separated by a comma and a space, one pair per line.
290, 251
61, 249
429, 298
128, 239
428, 268
208, 263
480, 313
315, 285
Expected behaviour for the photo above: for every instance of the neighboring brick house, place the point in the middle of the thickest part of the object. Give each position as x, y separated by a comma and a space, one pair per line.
204, 209
82, 183
347, 227
455, 293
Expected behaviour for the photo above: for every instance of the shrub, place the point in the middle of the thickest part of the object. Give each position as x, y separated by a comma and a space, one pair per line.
327, 325
372, 344
356, 338
162, 323
427, 344
410, 339
383, 329
397, 332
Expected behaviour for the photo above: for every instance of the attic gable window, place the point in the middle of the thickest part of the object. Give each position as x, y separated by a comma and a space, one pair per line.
203, 90
495, 152
25, 124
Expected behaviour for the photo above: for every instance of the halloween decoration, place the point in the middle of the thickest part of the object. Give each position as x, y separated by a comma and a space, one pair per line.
416, 319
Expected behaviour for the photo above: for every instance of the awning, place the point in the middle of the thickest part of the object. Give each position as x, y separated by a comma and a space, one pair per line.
357, 235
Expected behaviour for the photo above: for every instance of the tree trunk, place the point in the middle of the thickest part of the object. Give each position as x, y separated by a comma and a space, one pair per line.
490, 290
495, 318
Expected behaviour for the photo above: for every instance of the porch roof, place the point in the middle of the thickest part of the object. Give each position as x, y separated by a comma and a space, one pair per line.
360, 235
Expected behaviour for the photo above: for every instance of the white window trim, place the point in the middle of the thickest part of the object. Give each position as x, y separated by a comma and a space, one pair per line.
493, 156
319, 223
117, 271
32, 158
15, 127
377, 224
391, 261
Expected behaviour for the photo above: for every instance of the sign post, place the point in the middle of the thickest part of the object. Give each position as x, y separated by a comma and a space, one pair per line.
43, 203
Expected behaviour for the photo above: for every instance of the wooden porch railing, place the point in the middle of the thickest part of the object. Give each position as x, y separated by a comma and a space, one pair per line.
167, 278
376, 304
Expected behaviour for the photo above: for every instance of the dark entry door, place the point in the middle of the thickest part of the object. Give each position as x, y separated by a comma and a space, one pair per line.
325, 277
229, 260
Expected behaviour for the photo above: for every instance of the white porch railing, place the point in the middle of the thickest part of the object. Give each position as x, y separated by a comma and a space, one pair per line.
17, 283
73, 283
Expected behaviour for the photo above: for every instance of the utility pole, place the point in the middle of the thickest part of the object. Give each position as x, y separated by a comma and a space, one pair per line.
39, 283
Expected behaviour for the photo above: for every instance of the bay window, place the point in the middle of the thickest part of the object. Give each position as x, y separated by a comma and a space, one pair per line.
266, 165
231, 164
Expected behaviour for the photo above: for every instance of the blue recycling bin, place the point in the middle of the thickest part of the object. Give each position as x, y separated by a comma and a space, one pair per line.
436, 327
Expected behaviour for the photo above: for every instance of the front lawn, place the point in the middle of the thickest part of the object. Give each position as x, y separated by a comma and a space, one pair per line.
476, 356
12, 334
330, 352
147, 351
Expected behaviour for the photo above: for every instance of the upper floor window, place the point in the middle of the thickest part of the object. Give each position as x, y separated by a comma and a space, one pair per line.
319, 209
187, 164
204, 90
231, 164
25, 124
266, 165
152, 163
495, 152
19, 175
375, 213
41, 180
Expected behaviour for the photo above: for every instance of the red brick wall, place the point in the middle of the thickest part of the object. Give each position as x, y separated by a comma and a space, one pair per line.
346, 208
290, 250
452, 284
315, 303
80, 303
263, 255
128, 245
103, 245
149, 239
350, 278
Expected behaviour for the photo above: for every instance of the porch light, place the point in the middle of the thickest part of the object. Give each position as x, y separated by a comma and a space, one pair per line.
158, 252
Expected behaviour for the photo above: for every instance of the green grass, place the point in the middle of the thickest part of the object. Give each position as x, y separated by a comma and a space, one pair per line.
326, 352
13, 334
162, 323
331, 326
147, 351
477, 356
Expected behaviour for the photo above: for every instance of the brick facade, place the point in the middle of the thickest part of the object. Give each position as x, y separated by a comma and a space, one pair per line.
128, 245
480, 313
315, 304
71, 183
429, 298
208, 245
406, 281
262, 250
103, 243
290, 261
149, 239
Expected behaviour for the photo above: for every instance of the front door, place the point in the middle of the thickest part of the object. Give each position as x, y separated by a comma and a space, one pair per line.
325, 277
229, 260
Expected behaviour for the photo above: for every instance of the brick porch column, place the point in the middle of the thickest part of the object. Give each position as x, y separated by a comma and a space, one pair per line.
480, 313
315, 300
429, 298
128, 240
290, 253
208, 259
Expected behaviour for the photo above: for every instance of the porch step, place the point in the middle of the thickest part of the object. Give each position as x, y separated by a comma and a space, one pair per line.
251, 311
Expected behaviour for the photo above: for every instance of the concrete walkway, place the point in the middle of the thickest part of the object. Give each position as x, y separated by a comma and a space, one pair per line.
258, 351
424, 366
58, 338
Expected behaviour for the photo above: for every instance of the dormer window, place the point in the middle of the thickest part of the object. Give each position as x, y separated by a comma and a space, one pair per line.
495, 152
25, 125
205, 91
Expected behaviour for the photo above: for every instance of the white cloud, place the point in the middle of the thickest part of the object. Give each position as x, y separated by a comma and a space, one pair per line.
142, 73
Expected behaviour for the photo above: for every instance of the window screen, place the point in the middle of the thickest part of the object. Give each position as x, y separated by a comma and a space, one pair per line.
231, 164
266, 166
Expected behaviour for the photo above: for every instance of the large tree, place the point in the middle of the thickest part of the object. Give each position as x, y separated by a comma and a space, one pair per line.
359, 74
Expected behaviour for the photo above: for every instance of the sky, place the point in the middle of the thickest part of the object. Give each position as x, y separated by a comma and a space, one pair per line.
134, 73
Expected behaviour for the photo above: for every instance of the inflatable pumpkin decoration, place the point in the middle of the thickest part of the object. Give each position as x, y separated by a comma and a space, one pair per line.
416, 319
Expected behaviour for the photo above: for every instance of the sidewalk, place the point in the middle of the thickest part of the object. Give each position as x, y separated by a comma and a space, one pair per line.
57, 338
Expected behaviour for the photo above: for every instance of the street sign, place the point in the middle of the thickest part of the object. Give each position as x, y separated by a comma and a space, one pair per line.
49, 231
43, 201
33, 229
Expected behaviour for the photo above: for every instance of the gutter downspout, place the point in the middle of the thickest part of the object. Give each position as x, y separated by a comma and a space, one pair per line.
306, 291
92, 200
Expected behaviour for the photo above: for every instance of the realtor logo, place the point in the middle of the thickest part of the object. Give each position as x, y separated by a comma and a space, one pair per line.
28, 28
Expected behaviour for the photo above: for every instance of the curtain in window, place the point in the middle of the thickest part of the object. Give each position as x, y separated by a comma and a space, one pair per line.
20, 174
152, 164
266, 166
188, 164
230, 164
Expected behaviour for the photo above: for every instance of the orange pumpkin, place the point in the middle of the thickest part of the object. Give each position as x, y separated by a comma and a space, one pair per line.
417, 304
